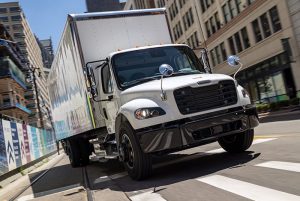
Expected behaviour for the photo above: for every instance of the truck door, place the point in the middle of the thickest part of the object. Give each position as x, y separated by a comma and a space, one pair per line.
108, 98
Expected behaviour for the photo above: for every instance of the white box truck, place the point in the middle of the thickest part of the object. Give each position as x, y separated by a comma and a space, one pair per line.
120, 89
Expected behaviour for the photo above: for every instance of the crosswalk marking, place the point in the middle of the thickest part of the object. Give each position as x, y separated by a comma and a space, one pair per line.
294, 167
247, 190
147, 196
256, 141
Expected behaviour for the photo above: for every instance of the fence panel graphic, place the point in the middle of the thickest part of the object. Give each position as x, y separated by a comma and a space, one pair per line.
21, 144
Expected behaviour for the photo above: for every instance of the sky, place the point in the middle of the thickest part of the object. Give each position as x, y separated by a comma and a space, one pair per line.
47, 18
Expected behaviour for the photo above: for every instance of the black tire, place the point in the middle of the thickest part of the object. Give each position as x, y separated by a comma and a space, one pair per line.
79, 152
84, 152
74, 152
140, 165
238, 142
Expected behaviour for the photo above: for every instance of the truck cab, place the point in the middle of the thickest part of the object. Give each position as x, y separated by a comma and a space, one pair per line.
160, 99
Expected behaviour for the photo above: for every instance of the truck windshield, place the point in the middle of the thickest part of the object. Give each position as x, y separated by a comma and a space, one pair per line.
135, 67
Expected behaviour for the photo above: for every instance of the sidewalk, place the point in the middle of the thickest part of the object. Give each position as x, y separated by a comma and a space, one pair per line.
293, 110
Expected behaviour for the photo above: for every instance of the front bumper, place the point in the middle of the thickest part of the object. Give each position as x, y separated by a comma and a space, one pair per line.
193, 131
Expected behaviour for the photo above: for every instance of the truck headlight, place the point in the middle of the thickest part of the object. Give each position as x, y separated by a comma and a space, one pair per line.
245, 93
146, 113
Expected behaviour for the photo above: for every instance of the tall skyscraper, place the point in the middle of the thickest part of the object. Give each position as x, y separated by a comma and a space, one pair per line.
103, 5
13, 18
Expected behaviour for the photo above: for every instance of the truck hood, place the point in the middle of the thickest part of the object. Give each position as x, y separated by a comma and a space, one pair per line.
152, 88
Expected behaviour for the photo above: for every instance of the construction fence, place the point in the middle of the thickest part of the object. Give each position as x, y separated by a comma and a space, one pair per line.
21, 144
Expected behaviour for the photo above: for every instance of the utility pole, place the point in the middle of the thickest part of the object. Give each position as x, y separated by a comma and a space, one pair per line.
32, 70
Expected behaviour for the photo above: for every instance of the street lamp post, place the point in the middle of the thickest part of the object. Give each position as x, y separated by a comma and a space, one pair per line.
32, 71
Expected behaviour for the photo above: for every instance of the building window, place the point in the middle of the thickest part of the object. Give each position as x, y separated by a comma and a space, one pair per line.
161, 3
181, 3
245, 38
223, 51
15, 18
213, 57
226, 13
231, 45
17, 27
188, 19
233, 8
250, 1
177, 30
3, 19
173, 10
257, 31
217, 19
7, 28
14, 9
208, 31
212, 25
19, 35
193, 41
3, 10
275, 19
238, 42
265, 24
205, 4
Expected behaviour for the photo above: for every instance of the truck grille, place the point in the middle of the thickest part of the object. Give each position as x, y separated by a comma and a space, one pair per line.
191, 100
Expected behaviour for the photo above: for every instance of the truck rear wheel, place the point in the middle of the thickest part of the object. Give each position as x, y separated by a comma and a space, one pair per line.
137, 163
237, 143
78, 151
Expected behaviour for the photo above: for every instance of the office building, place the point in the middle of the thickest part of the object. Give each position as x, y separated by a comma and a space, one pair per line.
103, 5
12, 80
139, 4
13, 18
263, 33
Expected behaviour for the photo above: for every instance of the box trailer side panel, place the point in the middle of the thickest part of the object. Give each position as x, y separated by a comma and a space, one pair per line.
101, 36
67, 89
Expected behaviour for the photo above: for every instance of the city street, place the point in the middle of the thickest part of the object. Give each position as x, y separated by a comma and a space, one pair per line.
269, 170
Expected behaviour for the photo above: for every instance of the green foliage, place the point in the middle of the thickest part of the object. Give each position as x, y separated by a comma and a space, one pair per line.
262, 107
274, 106
294, 101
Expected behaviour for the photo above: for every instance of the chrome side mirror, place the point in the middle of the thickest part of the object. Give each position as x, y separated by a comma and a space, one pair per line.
166, 70
233, 60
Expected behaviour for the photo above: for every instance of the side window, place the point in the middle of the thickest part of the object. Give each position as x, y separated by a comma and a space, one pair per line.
106, 80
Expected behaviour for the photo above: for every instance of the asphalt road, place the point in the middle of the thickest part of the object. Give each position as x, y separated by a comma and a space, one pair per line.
269, 170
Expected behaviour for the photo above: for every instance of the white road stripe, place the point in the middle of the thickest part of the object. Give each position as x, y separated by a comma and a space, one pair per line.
111, 177
147, 196
294, 167
256, 141
247, 190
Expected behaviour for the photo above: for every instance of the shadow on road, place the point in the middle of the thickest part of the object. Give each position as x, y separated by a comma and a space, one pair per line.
168, 170
285, 117
178, 169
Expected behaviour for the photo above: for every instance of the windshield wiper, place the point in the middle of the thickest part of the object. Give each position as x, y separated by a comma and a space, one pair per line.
186, 73
141, 80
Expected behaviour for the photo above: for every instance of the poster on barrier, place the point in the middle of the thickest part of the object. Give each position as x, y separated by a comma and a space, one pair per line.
38, 134
26, 143
3, 157
9, 146
21, 144
43, 140
35, 143
31, 148
15, 137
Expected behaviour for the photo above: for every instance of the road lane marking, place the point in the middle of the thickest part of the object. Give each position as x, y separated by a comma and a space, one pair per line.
51, 192
256, 141
111, 177
147, 196
247, 190
294, 167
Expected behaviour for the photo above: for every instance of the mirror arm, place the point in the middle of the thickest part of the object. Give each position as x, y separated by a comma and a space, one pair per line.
241, 66
162, 93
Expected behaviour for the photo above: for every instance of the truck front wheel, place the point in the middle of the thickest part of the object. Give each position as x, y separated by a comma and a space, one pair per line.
237, 143
137, 163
